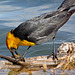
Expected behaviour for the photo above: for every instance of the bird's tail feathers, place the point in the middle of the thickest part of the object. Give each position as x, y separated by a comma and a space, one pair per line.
72, 11
69, 7
66, 4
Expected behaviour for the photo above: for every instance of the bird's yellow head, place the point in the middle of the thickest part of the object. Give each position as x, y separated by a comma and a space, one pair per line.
12, 42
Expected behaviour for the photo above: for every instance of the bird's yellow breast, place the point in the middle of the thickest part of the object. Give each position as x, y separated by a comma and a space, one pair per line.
26, 43
12, 41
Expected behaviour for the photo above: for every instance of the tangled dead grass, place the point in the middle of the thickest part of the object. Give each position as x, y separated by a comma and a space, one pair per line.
69, 61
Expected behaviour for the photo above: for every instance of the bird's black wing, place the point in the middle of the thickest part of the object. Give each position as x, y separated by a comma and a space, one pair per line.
42, 28
28, 27
47, 27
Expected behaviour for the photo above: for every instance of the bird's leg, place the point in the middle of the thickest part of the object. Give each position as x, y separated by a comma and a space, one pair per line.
16, 52
25, 52
53, 52
22, 57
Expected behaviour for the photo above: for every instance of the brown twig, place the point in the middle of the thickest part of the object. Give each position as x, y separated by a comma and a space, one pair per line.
14, 61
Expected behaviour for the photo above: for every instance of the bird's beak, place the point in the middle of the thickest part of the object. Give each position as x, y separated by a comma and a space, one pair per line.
12, 49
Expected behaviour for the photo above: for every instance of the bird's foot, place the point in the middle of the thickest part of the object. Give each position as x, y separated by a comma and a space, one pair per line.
54, 56
49, 56
21, 59
18, 58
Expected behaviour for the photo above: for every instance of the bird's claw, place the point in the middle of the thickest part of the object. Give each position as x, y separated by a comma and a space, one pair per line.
54, 56
18, 58
21, 59
49, 56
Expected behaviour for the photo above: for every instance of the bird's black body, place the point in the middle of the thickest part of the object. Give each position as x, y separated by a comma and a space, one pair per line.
41, 28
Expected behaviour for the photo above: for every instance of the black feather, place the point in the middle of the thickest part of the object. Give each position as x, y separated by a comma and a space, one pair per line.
42, 28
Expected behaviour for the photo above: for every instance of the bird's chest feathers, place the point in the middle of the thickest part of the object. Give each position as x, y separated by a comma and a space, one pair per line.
19, 42
23, 42
26, 43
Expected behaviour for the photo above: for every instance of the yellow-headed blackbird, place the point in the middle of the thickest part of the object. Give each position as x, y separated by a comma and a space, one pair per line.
40, 29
